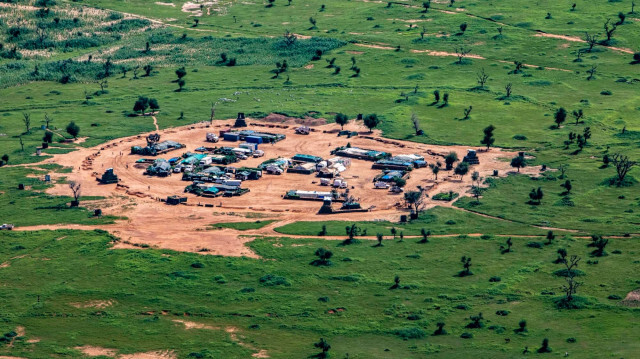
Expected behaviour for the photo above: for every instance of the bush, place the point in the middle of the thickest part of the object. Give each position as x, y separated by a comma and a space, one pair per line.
247, 290
197, 265
270, 280
220, 279
571, 340
323, 299
502, 312
535, 245
565, 273
410, 333
495, 279
466, 335
606, 93
614, 297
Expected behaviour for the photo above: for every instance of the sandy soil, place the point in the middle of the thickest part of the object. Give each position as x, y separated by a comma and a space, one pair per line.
98, 304
184, 227
193, 325
92, 351
632, 299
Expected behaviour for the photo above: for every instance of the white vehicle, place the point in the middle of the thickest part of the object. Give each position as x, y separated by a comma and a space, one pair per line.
206, 161
188, 168
258, 153
273, 169
325, 181
396, 189
212, 137
337, 182
6, 227
242, 157
381, 185
177, 169
344, 184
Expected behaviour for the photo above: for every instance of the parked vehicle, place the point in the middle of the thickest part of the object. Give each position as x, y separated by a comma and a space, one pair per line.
325, 181
212, 137
6, 227
396, 189
177, 169
381, 185
258, 153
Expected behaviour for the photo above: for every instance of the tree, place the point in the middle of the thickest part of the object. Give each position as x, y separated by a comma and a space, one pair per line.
271, 3
313, 23
323, 257
324, 346
352, 232
508, 88
426, 5
519, 162
578, 114
141, 104
609, 30
600, 243
462, 169
21, 143
466, 266
435, 168
415, 200
567, 186
425, 235
450, 159
507, 248
48, 137
488, 139
379, 238
76, 189
550, 237
440, 330
461, 53
147, 70
394, 232
522, 326
396, 282
463, 27
153, 105
47, 120
342, 119
196, 22
181, 72
476, 321
623, 165
107, 67
571, 286
562, 256
536, 195
592, 72
560, 116
401, 236
545, 348
5, 158
633, 5
436, 96
622, 17
73, 129
563, 169
181, 84
371, 121
26, 119
416, 124
467, 112
399, 181
591, 40
482, 78
290, 38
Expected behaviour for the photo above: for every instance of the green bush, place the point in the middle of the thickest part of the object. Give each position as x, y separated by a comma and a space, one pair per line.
270, 280
410, 333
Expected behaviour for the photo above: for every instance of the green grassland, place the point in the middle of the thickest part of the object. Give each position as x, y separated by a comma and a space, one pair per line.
242, 226
58, 74
286, 312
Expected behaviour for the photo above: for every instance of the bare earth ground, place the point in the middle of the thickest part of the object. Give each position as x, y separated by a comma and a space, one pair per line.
182, 228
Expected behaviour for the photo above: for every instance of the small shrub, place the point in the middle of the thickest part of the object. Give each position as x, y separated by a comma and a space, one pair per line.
535, 245
323, 299
247, 290
466, 335
502, 312
410, 333
606, 93
495, 279
197, 265
220, 279
571, 340
271, 280
614, 297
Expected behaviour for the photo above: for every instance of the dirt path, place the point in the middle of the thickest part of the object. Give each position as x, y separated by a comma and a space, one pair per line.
155, 123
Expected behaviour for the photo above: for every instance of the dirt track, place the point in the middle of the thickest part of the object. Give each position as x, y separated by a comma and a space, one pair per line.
183, 227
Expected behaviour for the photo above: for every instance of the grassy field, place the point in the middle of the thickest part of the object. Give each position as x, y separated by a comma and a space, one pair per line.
53, 63
242, 226
282, 304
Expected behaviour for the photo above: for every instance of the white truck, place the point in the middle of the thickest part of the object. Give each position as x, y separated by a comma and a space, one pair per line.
258, 153
339, 183
212, 137
206, 161
6, 227
325, 181
396, 189
381, 185
275, 170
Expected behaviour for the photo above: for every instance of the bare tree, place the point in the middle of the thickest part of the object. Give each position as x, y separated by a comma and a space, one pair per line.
461, 52
592, 72
609, 29
26, 119
467, 112
21, 143
578, 114
47, 120
76, 189
482, 78
591, 40
572, 285
633, 7
623, 165
508, 88
103, 83
289, 38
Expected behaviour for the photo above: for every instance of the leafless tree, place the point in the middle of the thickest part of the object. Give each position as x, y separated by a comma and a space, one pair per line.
26, 119
572, 285
563, 169
623, 165
509, 88
103, 83
47, 120
416, 123
482, 78
21, 144
592, 72
591, 40
289, 38
461, 52
609, 29
136, 70
76, 189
